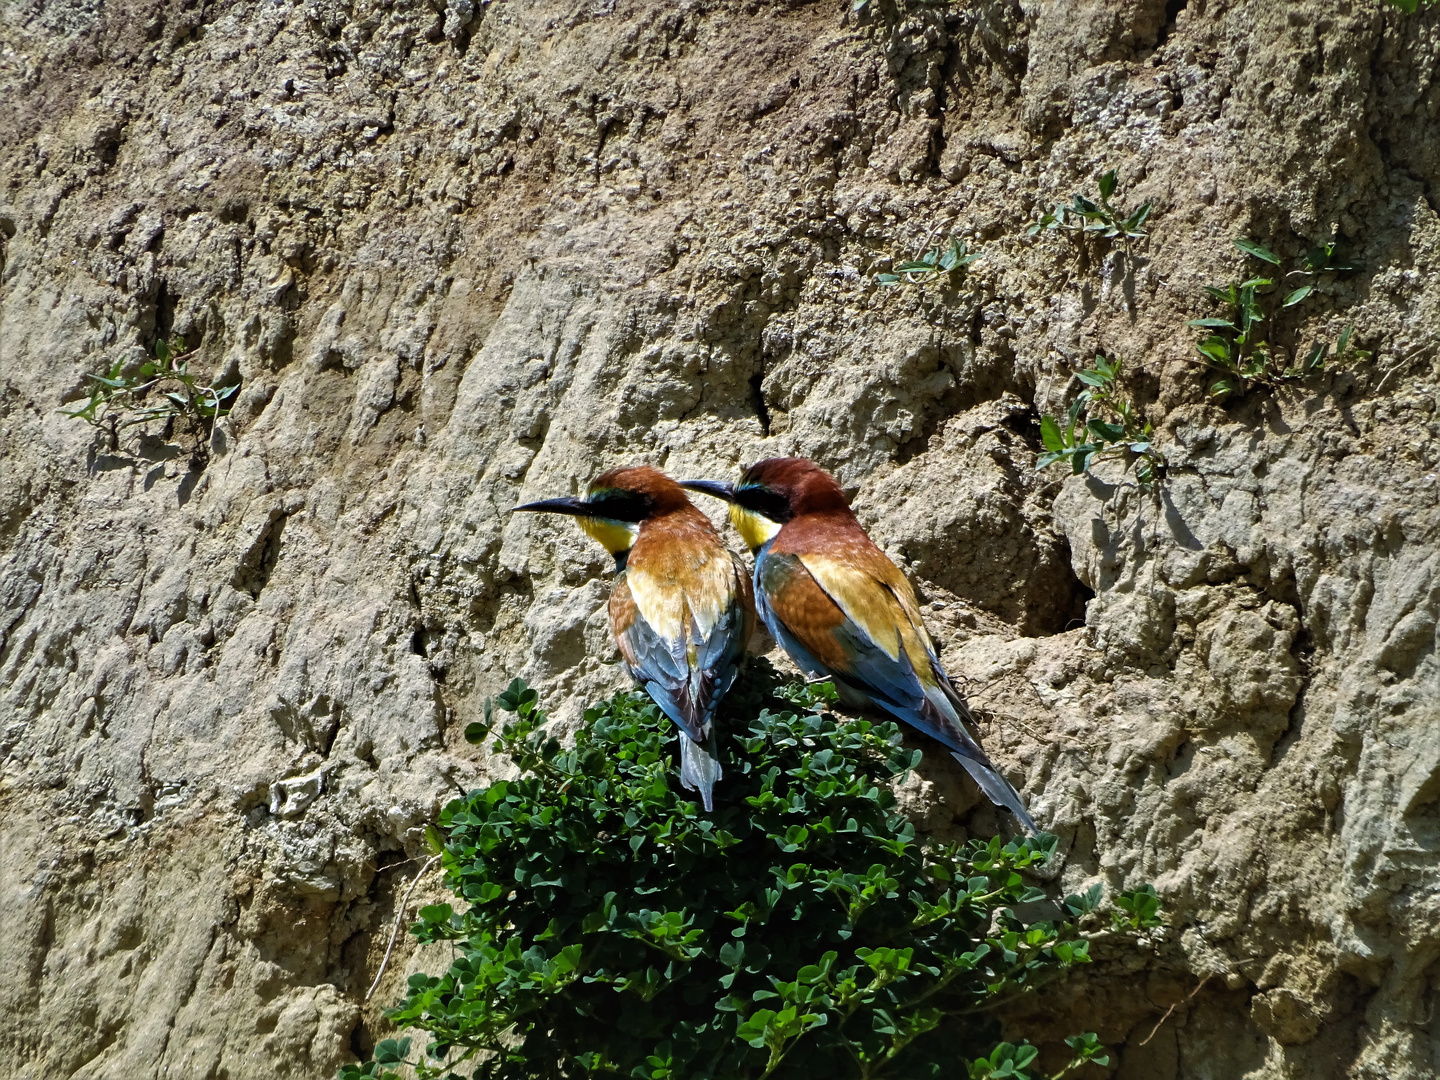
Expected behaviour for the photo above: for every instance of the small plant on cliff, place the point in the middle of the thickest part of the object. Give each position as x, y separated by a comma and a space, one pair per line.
1083, 217
161, 389
802, 930
1102, 425
1237, 345
932, 267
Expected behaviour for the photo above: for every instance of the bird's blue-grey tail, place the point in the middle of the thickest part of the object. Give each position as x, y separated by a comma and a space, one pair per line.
699, 767
997, 789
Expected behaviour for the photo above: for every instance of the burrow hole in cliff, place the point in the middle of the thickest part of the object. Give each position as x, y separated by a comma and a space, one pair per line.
1060, 599
757, 401
1049, 598
1173, 8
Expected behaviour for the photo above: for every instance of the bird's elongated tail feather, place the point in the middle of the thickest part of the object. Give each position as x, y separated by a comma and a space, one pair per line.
997, 789
699, 767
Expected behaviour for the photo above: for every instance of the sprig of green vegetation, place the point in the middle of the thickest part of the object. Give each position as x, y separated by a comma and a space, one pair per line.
932, 266
1011, 1062
1085, 217
1236, 344
1102, 424
800, 931
1137, 909
161, 388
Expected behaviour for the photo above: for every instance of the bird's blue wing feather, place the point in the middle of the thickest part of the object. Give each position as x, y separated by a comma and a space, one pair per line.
822, 639
834, 644
688, 696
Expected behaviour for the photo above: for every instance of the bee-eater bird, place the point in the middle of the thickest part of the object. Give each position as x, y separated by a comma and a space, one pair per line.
841, 609
681, 609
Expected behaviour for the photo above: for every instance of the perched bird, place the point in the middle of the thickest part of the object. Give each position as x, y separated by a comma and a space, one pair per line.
842, 609
681, 609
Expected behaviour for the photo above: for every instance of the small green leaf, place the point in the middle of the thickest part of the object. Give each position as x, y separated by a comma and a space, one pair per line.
1050, 434
392, 1051
1251, 247
1105, 432
436, 913
1107, 184
1293, 298
1216, 349
1050, 458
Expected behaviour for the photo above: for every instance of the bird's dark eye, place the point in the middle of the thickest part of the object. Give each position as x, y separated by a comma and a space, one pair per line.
620, 505
766, 503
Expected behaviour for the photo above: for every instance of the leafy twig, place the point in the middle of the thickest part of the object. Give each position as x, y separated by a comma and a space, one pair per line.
1101, 425
1099, 218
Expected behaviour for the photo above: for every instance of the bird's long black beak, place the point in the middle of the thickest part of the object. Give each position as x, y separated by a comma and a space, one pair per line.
718, 488
568, 505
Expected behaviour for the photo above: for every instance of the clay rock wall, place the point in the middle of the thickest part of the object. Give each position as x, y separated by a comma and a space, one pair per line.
459, 255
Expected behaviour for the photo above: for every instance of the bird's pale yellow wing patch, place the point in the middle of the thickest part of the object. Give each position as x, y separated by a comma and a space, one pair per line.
885, 610
671, 594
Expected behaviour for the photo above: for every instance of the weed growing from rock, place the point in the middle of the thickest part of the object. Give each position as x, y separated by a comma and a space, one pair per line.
161, 389
1236, 345
933, 267
1083, 217
802, 930
1102, 425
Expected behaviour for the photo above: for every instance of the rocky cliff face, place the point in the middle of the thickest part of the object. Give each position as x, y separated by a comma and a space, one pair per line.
460, 256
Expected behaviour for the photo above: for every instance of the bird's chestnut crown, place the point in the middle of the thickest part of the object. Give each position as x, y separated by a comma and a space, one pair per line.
773, 492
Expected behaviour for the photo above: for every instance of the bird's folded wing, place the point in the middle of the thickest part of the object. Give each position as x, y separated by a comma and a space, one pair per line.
867, 631
864, 652
686, 673
871, 639
659, 665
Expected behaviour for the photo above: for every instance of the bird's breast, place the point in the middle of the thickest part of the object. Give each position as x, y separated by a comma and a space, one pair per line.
674, 589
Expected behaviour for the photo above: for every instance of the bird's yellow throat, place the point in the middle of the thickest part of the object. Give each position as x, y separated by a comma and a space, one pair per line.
755, 529
614, 536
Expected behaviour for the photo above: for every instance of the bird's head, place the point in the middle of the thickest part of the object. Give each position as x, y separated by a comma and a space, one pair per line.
616, 504
773, 492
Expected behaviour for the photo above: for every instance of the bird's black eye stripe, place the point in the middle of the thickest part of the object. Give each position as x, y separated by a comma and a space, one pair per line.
763, 501
620, 505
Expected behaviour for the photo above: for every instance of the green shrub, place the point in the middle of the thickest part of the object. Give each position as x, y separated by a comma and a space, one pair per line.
160, 389
801, 930
1102, 424
1238, 344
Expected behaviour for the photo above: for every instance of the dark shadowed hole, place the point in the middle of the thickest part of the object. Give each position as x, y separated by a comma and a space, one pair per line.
1172, 14
757, 401
165, 305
